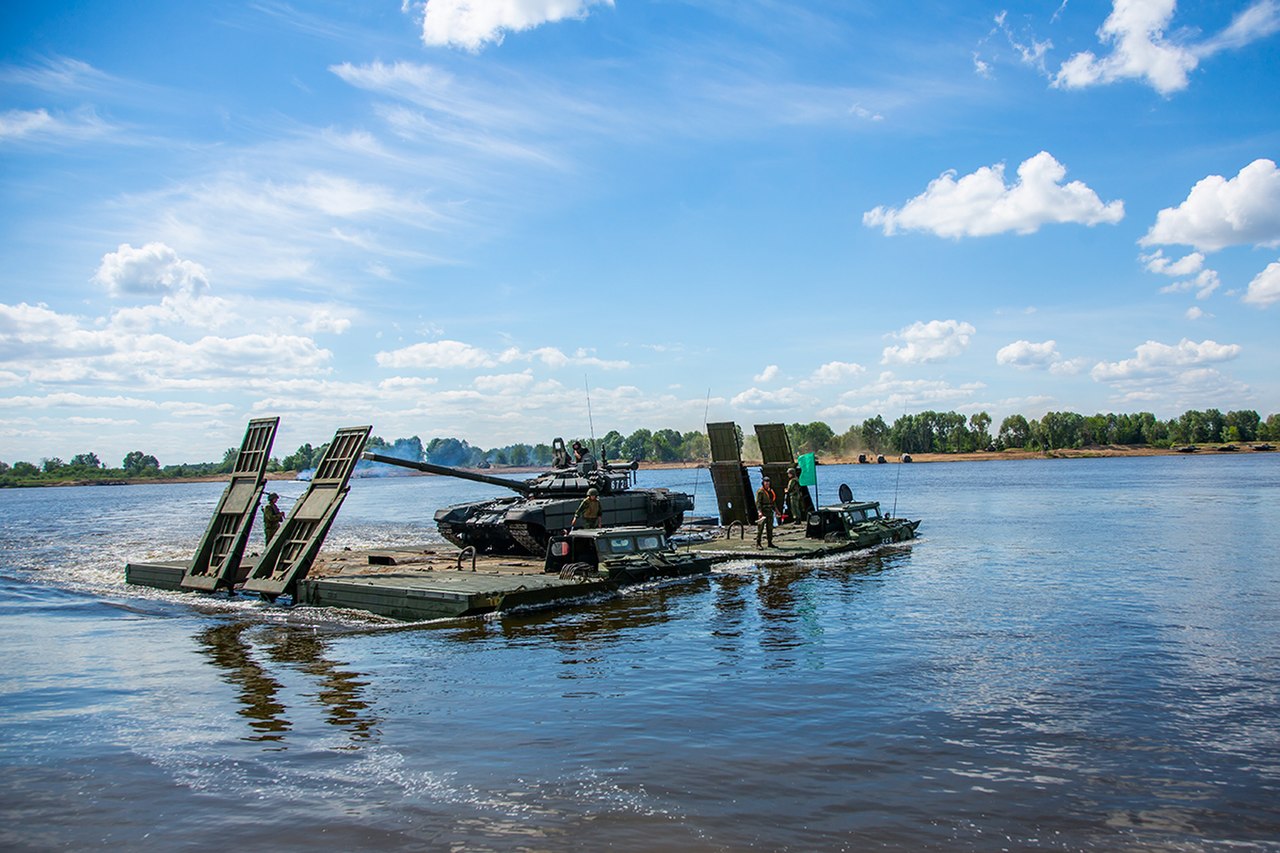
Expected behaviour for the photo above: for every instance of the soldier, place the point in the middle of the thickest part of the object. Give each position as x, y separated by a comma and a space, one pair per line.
766, 502
271, 516
795, 501
585, 458
589, 511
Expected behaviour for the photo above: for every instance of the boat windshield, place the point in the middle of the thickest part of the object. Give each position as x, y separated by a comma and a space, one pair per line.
621, 545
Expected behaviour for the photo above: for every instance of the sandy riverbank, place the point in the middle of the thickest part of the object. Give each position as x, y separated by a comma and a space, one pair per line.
1091, 452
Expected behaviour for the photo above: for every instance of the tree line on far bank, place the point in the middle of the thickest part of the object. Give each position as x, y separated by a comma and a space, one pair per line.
926, 432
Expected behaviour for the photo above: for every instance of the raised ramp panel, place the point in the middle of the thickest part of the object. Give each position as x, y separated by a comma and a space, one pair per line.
734, 498
293, 549
776, 456
218, 557
724, 442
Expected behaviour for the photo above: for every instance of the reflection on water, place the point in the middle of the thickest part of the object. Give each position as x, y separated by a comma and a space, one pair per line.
258, 690
340, 690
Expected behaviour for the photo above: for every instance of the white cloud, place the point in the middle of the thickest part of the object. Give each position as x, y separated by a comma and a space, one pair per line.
1264, 290
15, 124
455, 354
23, 322
471, 24
40, 124
407, 383
980, 204
836, 371
1221, 212
1031, 52
1156, 262
504, 383
756, 400
1195, 313
153, 268
1155, 359
1135, 30
1028, 354
1203, 284
44, 347
767, 374
1040, 356
60, 75
929, 342
327, 319
436, 355
586, 358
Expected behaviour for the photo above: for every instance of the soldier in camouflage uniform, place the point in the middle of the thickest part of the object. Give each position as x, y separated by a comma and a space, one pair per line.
795, 501
589, 511
766, 505
271, 516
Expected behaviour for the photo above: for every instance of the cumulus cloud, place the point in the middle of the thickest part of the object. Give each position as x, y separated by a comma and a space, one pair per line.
981, 204
1140, 50
447, 355
471, 24
153, 268
929, 342
1195, 312
836, 371
1204, 284
1039, 356
1156, 359
1028, 354
1264, 290
1189, 264
43, 346
436, 355
504, 383
1221, 212
767, 374
755, 400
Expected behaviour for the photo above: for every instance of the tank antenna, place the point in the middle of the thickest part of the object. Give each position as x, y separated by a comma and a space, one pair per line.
898, 481
590, 423
697, 475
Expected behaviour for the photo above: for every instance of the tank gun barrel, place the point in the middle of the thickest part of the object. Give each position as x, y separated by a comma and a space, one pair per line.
445, 471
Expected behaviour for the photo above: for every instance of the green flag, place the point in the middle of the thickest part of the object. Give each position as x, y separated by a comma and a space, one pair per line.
808, 470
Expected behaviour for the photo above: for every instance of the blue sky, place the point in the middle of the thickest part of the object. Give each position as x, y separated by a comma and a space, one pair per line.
462, 218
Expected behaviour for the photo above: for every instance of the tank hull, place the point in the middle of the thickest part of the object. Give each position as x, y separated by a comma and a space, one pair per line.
522, 526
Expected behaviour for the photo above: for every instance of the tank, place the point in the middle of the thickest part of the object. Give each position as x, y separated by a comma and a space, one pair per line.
544, 505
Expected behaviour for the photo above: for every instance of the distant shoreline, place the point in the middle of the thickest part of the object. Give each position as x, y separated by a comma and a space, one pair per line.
1092, 452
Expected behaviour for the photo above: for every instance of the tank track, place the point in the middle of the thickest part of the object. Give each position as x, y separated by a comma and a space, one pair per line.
533, 540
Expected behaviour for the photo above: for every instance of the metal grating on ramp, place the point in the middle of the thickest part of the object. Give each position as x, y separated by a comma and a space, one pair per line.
291, 552
776, 457
218, 556
734, 497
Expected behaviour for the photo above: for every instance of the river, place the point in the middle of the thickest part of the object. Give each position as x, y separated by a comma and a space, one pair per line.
1076, 655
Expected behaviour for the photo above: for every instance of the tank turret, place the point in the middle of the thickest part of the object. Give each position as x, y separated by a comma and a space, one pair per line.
545, 504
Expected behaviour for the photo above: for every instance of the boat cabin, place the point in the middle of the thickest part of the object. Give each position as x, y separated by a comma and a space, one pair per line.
594, 547
839, 518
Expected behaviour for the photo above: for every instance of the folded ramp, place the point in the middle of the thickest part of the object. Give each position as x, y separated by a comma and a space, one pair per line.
776, 458
734, 497
218, 557
293, 549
